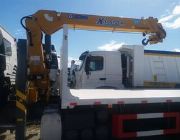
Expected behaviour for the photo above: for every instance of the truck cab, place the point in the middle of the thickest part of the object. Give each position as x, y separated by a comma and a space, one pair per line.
8, 63
110, 69
8, 53
96, 70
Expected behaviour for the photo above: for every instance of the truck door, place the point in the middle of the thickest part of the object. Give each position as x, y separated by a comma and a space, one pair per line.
94, 72
113, 70
127, 68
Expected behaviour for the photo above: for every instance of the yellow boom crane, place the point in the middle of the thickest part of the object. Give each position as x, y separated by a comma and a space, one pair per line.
45, 22
48, 22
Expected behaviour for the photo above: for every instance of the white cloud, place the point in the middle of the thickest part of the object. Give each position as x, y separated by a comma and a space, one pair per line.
166, 18
176, 50
175, 24
112, 46
176, 10
172, 20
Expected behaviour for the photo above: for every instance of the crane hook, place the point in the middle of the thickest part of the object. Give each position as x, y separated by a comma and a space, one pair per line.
145, 41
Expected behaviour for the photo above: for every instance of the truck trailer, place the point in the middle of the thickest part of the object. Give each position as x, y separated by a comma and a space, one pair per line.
129, 67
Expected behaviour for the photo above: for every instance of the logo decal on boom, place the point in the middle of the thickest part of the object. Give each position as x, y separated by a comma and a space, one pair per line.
109, 22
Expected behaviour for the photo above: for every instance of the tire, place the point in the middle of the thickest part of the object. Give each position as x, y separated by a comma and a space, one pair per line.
87, 134
102, 116
71, 135
102, 133
35, 111
3, 99
4, 96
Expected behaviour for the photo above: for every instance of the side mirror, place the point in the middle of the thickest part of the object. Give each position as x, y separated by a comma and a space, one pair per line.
87, 65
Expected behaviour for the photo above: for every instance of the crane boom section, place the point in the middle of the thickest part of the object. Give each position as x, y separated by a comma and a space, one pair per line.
51, 21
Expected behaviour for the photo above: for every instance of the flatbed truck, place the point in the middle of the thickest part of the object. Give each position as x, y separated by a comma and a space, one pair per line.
88, 114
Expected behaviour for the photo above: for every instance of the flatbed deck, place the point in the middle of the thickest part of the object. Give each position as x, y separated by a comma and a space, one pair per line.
110, 96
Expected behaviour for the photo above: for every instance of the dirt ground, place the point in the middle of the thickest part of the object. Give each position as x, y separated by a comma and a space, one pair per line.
33, 133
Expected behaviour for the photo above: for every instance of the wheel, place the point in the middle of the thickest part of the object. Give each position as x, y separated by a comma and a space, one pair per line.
4, 96
102, 116
87, 134
35, 111
71, 135
102, 133
3, 100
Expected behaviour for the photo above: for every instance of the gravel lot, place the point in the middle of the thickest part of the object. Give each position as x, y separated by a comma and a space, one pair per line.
33, 133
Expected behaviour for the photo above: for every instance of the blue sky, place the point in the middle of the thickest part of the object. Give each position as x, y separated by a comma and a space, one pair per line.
168, 11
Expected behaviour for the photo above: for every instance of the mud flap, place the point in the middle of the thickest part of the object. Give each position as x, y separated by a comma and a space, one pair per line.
51, 127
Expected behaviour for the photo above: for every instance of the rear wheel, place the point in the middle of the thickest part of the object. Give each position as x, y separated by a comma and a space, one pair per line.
102, 116
87, 134
102, 133
4, 94
86, 124
71, 135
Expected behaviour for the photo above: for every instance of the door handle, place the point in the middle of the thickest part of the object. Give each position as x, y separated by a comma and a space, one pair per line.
102, 78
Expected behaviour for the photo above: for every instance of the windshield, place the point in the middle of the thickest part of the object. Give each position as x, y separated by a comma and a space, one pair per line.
82, 59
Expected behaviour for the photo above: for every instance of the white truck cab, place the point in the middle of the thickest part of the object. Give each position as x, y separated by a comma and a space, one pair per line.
111, 69
8, 65
8, 53
96, 70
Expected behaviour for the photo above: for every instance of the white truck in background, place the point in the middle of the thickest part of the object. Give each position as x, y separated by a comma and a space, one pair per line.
8, 63
130, 66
